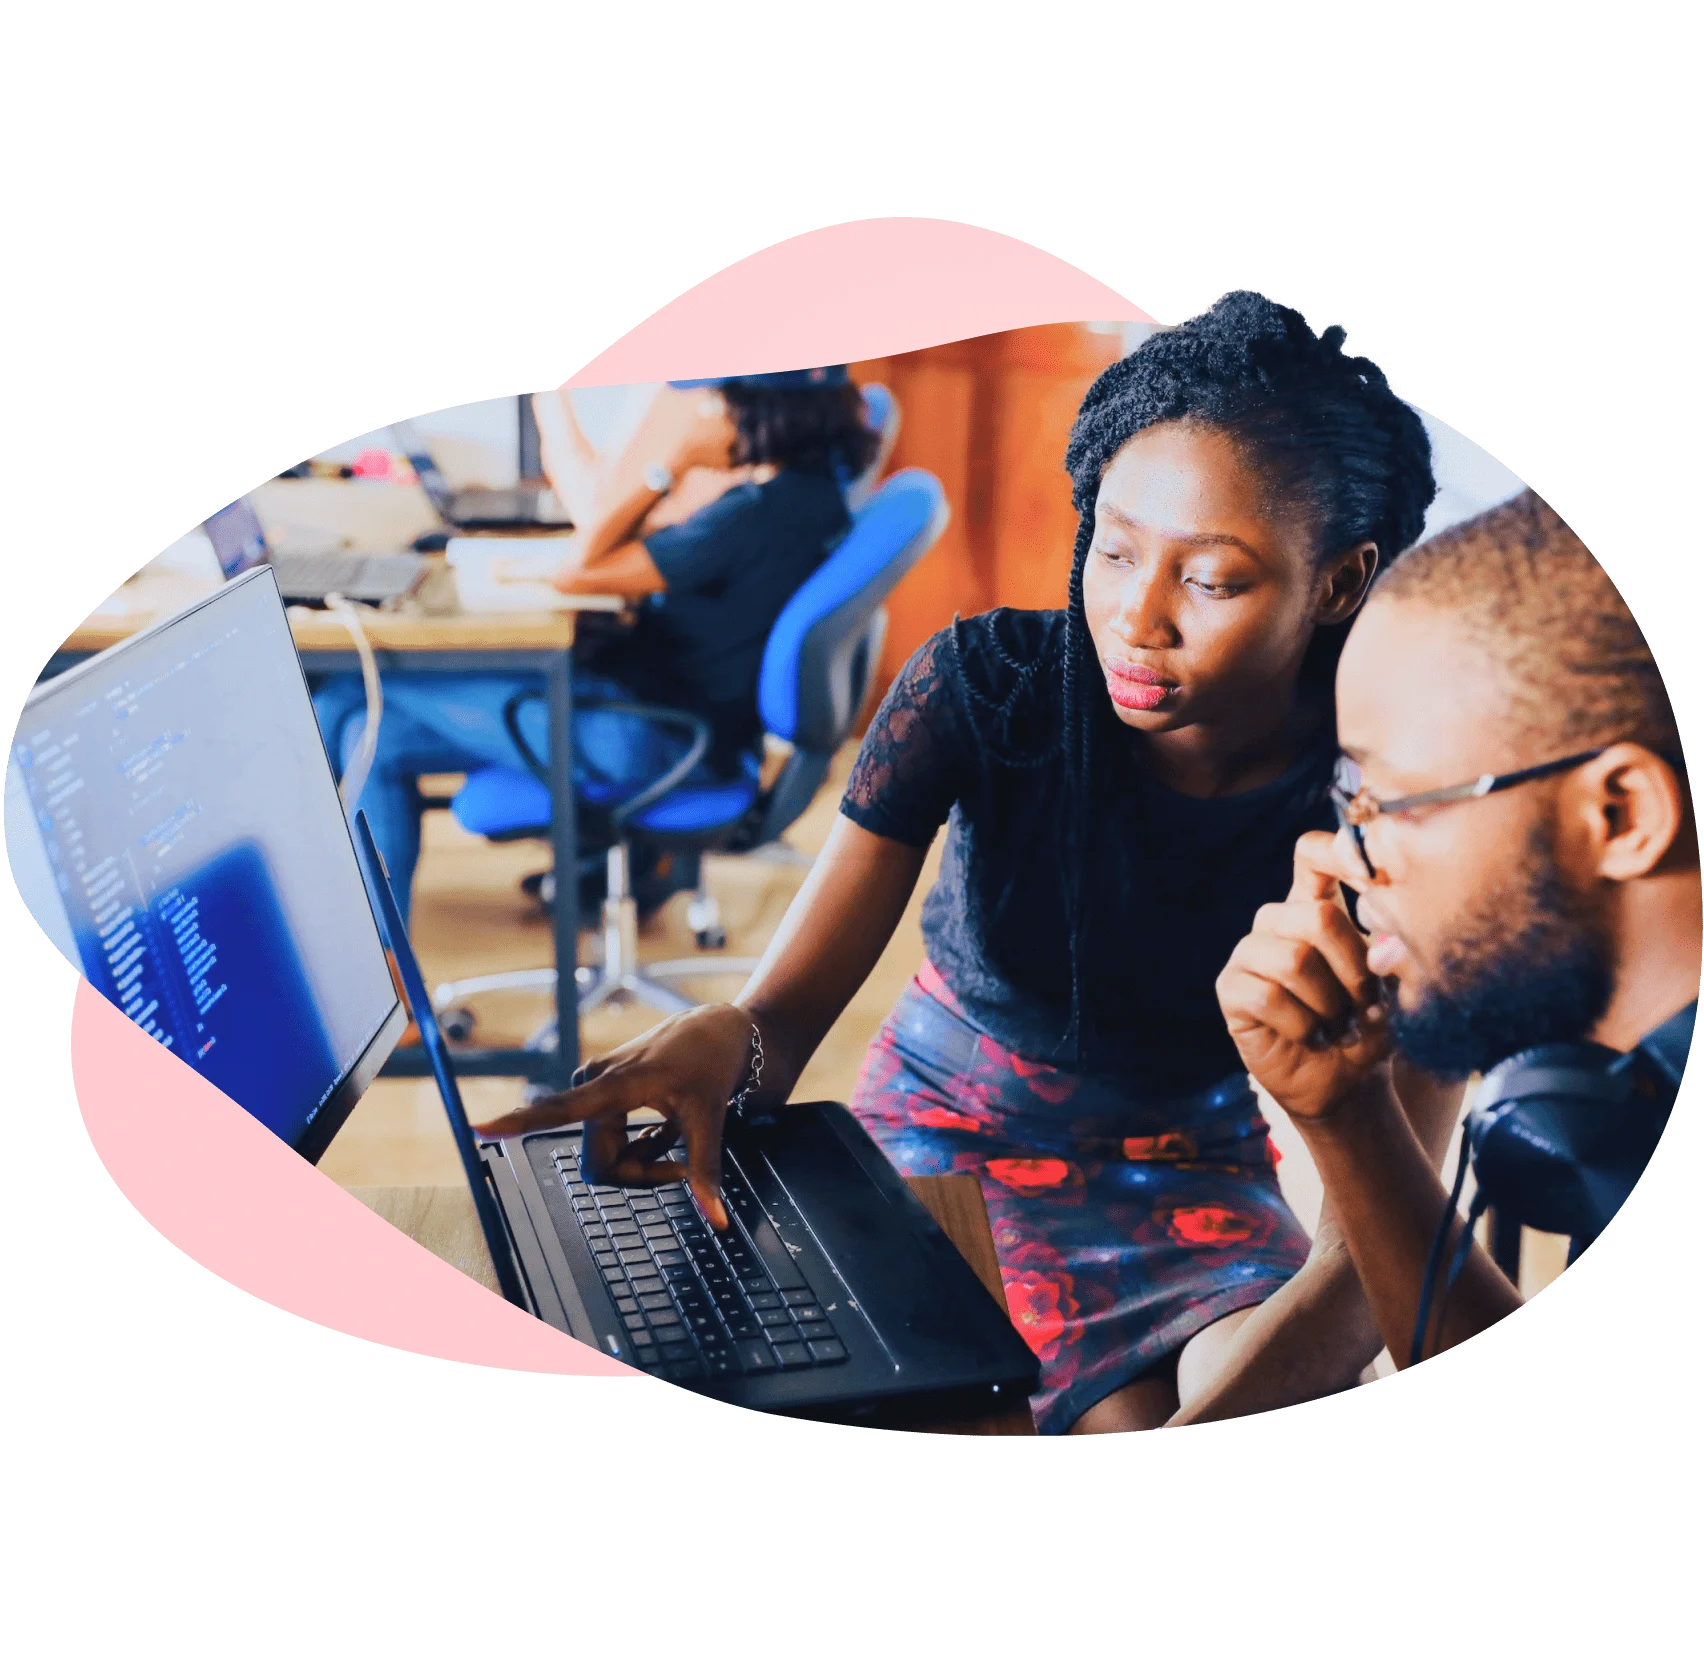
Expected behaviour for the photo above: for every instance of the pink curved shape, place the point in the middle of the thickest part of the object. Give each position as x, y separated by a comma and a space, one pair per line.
872, 288
221, 1187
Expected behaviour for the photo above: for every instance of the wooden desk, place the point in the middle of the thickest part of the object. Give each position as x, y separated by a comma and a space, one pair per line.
430, 634
442, 1220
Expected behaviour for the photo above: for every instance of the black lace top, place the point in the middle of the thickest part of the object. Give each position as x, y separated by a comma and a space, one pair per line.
971, 734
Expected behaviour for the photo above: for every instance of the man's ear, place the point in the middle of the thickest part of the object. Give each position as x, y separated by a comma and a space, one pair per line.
1636, 809
1347, 578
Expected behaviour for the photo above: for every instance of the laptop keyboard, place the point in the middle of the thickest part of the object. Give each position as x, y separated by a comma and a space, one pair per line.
336, 571
698, 1305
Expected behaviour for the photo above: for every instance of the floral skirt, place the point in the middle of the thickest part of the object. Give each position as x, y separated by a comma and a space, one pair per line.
1123, 1226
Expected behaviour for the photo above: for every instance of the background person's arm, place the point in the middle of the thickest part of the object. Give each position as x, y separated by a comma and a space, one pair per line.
683, 432
582, 478
1317, 1334
626, 571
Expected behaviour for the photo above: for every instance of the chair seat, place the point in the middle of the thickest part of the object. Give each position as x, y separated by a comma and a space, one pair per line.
501, 803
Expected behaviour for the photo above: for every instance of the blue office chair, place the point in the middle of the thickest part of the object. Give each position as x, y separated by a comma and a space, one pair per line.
881, 414
812, 685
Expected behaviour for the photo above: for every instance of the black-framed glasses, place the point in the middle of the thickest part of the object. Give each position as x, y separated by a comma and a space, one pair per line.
1356, 808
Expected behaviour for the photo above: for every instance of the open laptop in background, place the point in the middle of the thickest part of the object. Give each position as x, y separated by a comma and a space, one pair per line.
239, 543
526, 506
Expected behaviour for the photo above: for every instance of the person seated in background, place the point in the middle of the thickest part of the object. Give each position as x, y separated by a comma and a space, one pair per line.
764, 457
1554, 900
581, 475
1121, 783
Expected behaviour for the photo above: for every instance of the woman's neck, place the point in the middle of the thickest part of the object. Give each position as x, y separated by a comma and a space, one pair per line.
1206, 760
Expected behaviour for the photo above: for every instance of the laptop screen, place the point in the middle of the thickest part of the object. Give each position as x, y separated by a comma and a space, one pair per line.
173, 824
238, 541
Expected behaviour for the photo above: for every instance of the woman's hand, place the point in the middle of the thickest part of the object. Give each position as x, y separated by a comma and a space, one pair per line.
1305, 1013
686, 1069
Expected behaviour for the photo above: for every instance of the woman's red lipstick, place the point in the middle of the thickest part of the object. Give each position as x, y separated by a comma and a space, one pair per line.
1138, 688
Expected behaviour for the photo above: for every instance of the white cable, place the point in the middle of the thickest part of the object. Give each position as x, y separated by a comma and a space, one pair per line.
361, 760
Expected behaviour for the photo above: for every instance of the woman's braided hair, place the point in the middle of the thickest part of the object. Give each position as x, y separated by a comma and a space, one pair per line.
1324, 431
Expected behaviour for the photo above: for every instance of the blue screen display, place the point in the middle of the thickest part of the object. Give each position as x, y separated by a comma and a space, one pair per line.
173, 819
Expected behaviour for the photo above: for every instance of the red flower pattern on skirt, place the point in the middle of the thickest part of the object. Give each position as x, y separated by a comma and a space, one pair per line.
1026, 1174
1216, 1224
1039, 1295
1051, 1086
1118, 1219
943, 1120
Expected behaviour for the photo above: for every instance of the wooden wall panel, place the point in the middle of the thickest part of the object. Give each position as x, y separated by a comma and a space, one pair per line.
990, 417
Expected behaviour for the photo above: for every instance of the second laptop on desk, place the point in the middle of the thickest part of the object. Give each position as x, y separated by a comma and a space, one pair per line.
239, 543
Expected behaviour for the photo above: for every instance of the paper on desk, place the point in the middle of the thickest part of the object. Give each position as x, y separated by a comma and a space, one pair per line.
506, 572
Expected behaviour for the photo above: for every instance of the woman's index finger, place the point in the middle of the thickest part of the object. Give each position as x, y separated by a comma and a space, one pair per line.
607, 1096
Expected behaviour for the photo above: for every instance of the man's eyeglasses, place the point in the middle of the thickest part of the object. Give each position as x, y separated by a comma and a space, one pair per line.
1356, 808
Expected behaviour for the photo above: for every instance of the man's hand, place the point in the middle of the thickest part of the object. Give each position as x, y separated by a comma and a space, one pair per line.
1305, 1013
686, 1069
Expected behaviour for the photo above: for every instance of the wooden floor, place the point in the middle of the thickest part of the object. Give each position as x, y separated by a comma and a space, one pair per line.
471, 917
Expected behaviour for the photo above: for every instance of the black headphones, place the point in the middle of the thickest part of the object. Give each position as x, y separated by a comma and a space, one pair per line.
1558, 1136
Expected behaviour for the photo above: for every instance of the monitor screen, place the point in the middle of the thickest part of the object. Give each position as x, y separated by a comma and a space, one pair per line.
173, 824
238, 541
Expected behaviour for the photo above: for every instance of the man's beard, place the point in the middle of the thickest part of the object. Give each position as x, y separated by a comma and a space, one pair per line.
1536, 973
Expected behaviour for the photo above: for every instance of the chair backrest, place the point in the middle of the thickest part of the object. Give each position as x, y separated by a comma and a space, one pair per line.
817, 662
881, 414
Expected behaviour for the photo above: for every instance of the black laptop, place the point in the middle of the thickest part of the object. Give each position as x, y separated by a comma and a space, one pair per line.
172, 821
239, 543
525, 506
833, 1290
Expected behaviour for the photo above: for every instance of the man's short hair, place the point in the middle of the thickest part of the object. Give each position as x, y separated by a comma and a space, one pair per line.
1523, 584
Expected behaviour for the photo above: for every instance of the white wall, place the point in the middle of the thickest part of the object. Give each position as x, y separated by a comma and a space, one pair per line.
478, 443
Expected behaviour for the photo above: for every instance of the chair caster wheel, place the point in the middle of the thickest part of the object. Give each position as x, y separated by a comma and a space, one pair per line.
458, 1024
541, 888
712, 937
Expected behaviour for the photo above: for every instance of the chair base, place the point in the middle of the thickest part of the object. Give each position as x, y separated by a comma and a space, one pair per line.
620, 976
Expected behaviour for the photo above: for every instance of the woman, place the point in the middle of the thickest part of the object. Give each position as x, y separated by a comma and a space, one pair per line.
1123, 783
716, 511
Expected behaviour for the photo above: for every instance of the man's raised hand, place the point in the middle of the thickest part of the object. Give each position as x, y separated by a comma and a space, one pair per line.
1307, 1016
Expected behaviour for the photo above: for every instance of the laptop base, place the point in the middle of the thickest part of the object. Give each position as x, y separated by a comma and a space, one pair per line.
834, 1295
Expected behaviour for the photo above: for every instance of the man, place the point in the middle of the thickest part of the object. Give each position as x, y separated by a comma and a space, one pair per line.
1555, 900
